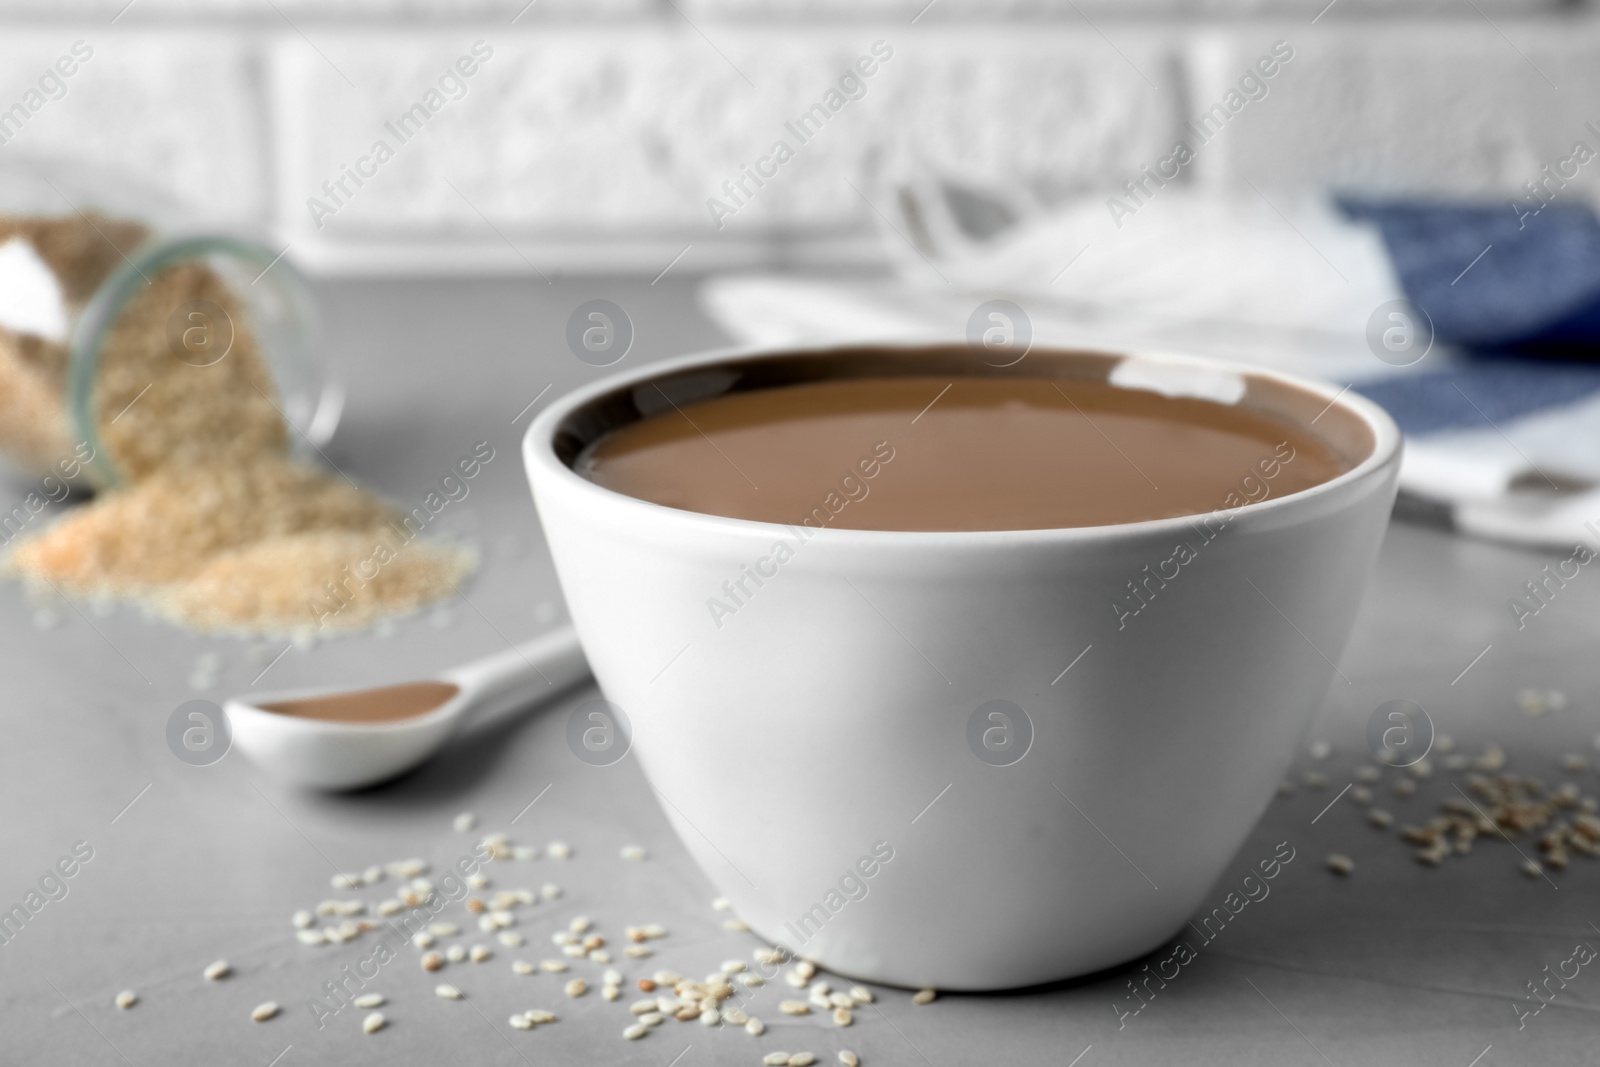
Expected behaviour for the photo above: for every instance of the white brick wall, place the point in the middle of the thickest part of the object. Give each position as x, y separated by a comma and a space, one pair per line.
1077, 11
596, 132
1413, 107
580, 130
180, 110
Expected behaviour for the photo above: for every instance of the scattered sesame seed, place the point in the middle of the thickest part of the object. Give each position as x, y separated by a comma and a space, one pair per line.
1368, 775
553, 966
1316, 780
550, 891
806, 970
521, 1022
432, 961
423, 940
723, 904
635, 1032
710, 1016
510, 939
1340, 864
126, 999
464, 822
1360, 794
1380, 818
733, 966
848, 1058
750, 979
310, 937
738, 926
861, 994
372, 1023
455, 953
303, 919
1433, 855
479, 954
755, 1027
577, 987
795, 1007
1532, 869
843, 1017
632, 852
776, 1059
346, 881
924, 996
802, 1059
447, 991
1285, 788
368, 1000
637, 952
1405, 787
263, 1012
559, 850
1321, 750
217, 971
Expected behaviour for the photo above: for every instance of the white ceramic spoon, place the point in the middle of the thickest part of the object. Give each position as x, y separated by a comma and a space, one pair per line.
333, 750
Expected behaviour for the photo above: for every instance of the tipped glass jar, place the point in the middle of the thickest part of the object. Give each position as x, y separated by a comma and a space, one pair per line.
125, 349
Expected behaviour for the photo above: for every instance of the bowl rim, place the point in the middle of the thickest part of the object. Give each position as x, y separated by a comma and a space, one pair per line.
546, 469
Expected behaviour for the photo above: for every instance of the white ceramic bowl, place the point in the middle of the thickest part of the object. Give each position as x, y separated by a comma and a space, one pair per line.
828, 753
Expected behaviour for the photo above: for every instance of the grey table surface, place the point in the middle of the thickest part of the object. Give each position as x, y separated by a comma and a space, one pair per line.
1394, 964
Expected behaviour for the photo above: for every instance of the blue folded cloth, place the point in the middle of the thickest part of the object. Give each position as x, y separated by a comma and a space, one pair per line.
1496, 277
1482, 393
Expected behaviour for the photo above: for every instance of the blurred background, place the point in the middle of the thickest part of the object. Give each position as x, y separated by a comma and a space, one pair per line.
593, 136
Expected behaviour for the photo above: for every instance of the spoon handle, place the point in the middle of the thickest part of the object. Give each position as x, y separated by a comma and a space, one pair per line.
551, 661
